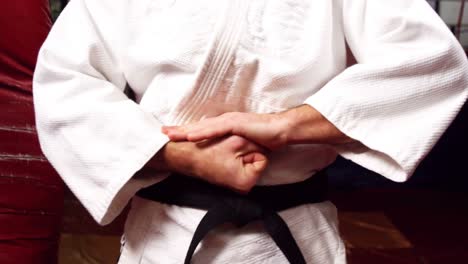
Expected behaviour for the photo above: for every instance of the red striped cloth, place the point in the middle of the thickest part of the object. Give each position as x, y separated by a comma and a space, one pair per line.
31, 193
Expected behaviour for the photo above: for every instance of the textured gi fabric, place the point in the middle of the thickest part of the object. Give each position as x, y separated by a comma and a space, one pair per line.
187, 60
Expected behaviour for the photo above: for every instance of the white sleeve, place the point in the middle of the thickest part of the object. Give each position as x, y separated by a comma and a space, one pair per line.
408, 85
90, 131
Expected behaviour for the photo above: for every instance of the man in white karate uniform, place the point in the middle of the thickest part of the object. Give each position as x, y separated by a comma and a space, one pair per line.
274, 75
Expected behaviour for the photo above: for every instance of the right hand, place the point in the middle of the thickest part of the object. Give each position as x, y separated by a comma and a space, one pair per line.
233, 161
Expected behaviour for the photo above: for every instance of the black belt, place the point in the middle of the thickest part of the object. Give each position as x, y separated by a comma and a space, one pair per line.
223, 206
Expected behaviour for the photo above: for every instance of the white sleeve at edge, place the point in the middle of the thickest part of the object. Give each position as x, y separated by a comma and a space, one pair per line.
407, 87
90, 131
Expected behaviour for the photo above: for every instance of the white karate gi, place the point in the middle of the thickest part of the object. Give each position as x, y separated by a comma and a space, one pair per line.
187, 60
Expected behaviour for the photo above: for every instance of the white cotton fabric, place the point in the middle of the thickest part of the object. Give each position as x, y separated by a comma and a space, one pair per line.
187, 60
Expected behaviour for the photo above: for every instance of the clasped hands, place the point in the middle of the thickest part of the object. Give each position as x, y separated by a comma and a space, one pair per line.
230, 149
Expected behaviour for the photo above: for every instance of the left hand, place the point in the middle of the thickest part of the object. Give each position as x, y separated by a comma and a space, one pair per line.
264, 129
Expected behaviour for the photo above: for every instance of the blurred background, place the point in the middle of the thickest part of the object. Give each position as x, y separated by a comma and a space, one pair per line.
421, 221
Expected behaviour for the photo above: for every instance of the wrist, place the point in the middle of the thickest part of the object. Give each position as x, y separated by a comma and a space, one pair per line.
283, 124
306, 125
291, 121
180, 157
173, 157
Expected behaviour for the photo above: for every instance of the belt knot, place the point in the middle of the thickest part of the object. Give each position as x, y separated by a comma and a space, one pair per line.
244, 210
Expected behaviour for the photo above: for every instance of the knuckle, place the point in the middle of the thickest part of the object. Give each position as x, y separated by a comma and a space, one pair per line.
246, 183
238, 142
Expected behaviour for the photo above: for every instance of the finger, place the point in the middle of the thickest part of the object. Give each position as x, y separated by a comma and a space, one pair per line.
253, 157
174, 133
251, 147
177, 136
167, 129
205, 129
183, 129
178, 133
207, 133
255, 163
210, 128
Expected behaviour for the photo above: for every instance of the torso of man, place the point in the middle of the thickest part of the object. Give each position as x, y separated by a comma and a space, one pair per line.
188, 60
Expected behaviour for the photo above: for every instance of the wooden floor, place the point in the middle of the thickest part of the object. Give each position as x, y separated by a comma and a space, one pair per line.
378, 226
404, 226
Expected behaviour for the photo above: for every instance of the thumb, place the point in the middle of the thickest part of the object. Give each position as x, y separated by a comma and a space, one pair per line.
253, 164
